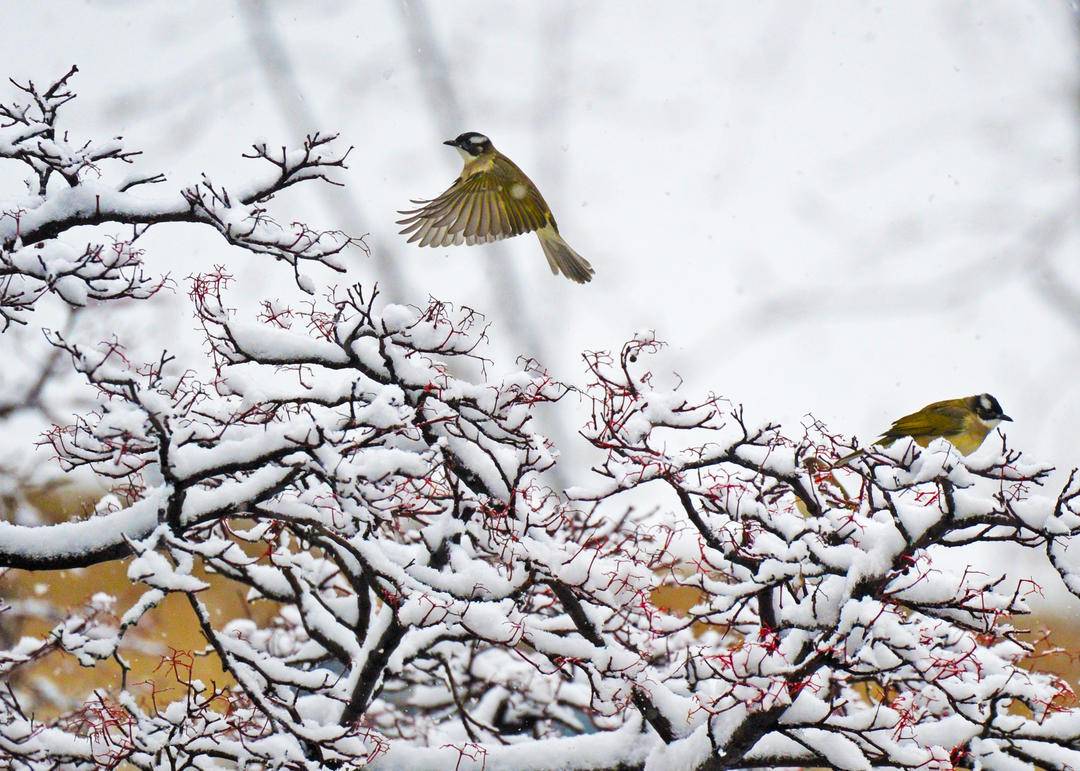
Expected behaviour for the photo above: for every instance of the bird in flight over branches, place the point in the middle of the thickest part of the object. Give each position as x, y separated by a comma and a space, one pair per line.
964, 422
492, 199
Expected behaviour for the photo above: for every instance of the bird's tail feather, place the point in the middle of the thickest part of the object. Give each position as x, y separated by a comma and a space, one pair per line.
883, 441
562, 259
846, 460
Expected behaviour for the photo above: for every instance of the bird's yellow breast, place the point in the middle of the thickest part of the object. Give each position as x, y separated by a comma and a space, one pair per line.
971, 438
478, 165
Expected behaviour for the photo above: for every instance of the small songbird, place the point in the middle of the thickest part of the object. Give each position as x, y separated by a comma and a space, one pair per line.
492, 200
964, 422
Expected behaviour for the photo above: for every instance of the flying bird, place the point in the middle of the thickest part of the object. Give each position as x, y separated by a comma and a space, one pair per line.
964, 422
491, 200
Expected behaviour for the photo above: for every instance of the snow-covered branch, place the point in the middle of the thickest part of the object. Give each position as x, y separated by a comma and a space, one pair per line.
368, 473
363, 466
72, 183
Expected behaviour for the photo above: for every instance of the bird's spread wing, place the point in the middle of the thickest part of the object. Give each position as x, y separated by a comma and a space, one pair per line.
940, 419
488, 206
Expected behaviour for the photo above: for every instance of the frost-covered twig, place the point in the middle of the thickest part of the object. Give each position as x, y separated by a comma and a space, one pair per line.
70, 184
366, 471
360, 465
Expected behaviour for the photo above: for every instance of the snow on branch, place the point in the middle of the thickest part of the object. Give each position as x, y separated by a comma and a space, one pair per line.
365, 467
72, 183
370, 473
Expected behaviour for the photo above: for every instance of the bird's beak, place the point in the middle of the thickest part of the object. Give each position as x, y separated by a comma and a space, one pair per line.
1006, 417
451, 142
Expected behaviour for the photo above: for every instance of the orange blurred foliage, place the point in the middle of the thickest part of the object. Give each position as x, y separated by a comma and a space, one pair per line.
166, 632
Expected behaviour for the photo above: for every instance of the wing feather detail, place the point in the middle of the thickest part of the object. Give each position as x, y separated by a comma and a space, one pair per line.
500, 202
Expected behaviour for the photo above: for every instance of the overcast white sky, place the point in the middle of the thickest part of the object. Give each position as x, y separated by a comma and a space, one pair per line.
846, 208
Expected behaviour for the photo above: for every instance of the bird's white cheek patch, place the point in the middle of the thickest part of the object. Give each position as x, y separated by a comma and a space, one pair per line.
518, 191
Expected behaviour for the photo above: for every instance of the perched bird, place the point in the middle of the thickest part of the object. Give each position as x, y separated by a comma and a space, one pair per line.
491, 200
964, 422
